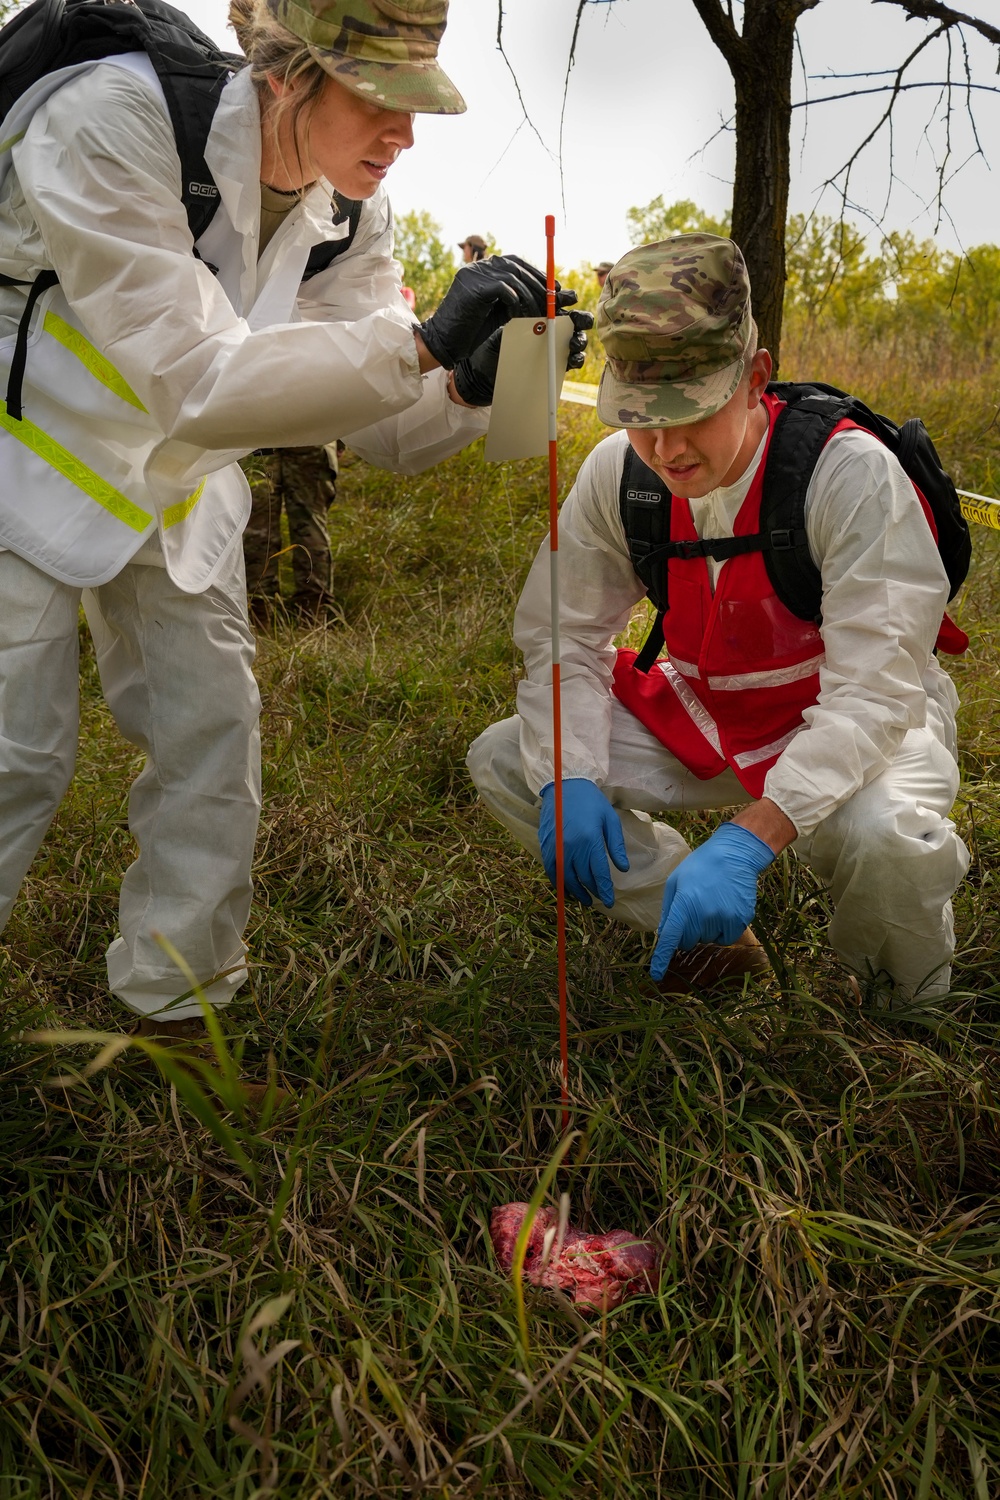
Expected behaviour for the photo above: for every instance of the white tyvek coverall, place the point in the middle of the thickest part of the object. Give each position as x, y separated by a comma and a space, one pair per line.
218, 365
868, 782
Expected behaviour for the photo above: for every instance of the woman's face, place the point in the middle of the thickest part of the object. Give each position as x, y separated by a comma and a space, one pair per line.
346, 139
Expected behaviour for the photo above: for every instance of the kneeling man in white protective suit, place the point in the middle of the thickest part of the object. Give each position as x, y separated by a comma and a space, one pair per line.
834, 735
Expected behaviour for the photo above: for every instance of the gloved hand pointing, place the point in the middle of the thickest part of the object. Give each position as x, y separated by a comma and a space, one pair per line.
712, 895
476, 376
485, 295
591, 831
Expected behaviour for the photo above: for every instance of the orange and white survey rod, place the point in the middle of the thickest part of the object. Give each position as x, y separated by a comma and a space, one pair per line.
554, 386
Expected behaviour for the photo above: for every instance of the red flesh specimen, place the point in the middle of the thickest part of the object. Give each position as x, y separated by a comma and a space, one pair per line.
596, 1270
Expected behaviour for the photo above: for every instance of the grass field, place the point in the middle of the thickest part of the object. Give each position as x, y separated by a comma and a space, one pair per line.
211, 1308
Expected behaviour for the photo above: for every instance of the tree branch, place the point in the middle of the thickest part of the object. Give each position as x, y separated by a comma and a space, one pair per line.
935, 10
888, 88
517, 86
721, 28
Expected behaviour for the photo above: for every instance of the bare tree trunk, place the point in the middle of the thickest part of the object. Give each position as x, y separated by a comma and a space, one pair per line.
760, 60
763, 81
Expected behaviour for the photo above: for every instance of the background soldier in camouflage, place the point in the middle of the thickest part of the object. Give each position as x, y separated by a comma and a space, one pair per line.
302, 483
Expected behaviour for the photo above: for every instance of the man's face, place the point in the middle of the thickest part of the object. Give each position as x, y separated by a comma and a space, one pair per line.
698, 457
602, 277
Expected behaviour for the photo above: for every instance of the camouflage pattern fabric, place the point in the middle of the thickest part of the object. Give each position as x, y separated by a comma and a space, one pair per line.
384, 50
676, 324
300, 482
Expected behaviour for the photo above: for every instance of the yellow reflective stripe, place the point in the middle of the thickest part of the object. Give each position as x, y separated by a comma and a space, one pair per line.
12, 140
102, 369
175, 513
76, 471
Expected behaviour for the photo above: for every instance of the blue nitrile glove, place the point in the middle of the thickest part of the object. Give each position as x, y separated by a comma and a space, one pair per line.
591, 831
712, 895
476, 376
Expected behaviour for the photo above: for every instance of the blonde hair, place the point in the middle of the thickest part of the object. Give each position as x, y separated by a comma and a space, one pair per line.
273, 51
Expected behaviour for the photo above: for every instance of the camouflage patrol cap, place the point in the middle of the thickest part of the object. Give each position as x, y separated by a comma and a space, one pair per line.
382, 50
675, 322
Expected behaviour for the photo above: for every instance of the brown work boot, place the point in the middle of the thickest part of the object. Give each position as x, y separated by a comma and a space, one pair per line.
710, 966
189, 1037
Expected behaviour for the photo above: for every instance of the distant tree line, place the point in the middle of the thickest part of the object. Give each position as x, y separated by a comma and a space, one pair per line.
834, 278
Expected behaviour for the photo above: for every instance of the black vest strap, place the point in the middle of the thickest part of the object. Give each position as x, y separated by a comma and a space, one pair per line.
15, 381
323, 255
652, 645
723, 547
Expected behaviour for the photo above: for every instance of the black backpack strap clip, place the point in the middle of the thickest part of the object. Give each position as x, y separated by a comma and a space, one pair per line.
15, 380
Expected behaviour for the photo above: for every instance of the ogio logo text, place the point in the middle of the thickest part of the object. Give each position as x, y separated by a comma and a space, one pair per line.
203, 189
643, 497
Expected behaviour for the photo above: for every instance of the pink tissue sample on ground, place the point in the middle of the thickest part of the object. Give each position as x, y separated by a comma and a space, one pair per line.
595, 1270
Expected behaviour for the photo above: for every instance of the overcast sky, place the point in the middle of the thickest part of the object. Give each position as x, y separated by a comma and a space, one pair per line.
647, 91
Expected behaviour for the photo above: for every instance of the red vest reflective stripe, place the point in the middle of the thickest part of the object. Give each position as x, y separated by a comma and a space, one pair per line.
742, 668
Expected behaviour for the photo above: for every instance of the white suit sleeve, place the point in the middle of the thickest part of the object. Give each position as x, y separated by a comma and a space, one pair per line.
104, 189
598, 588
884, 592
364, 277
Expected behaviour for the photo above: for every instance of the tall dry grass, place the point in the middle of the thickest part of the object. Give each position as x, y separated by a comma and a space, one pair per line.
307, 1305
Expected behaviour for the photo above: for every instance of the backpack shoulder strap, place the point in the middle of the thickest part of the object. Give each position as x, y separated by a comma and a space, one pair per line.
50, 35
644, 503
193, 72
323, 255
801, 430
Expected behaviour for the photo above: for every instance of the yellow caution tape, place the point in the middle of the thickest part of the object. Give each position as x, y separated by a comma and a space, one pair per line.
580, 392
981, 509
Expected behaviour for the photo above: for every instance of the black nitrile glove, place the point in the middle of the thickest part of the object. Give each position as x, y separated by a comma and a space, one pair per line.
484, 296
476, 376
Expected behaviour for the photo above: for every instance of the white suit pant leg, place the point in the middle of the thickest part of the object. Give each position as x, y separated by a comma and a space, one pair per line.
176, 670
643, 777
39, 711
892, 860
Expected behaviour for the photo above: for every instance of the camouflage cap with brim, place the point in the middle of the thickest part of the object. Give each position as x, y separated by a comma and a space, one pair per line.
677, 328
382, 50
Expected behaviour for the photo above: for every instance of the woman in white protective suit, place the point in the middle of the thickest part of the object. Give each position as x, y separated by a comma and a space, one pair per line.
143, 365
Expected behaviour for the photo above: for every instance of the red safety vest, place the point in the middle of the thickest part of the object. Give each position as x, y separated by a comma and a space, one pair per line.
742, 668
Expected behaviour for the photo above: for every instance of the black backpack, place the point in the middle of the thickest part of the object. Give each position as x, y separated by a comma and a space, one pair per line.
801, 430
192, 70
